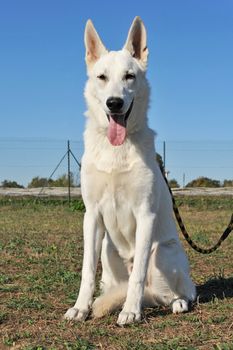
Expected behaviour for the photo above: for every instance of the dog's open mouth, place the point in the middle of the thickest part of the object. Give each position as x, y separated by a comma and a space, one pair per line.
117, 127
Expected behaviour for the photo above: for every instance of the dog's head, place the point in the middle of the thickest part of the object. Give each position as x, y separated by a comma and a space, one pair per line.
117, 87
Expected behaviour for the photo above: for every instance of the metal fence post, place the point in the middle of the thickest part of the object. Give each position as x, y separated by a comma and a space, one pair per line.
69, 185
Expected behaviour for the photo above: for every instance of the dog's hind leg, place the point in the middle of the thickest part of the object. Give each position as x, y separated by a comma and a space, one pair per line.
113, 282
114, 270
169, 278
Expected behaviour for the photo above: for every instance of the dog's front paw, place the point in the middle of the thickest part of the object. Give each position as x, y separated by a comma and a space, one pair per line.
125, 318
74, 314
179, 305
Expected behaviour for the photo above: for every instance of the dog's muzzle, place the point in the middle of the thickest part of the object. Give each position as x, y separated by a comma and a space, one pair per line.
117, 126
118, 117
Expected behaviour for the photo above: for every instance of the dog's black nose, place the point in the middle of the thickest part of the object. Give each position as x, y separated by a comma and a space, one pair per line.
115, 104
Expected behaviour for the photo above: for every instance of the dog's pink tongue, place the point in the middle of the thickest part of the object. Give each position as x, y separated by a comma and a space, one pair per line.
116, 132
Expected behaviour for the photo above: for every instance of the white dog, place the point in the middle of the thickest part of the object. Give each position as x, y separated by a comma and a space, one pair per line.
128, 207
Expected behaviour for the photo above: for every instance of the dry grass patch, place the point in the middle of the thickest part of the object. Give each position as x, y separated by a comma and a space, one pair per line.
41, 257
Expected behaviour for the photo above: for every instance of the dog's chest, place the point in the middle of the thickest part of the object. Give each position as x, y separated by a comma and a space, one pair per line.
116, 197
120, 223
116, 184
117, 209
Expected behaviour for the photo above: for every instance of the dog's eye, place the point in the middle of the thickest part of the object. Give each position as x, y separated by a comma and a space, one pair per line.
102, 77
129, 76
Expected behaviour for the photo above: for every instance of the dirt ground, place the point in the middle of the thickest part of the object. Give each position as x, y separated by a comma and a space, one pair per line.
76, 192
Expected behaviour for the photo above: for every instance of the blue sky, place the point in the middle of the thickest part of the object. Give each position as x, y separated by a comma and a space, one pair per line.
42, 70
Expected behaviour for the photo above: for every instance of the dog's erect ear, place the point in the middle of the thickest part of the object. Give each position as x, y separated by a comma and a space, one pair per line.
136, 41
94, 46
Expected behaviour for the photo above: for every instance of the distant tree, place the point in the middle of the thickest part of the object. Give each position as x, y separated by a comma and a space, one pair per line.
203, 182
173, 183
228, 183
61, 181
11, 184
38, 182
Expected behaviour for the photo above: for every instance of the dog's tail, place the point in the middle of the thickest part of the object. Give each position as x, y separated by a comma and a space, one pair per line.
114, 299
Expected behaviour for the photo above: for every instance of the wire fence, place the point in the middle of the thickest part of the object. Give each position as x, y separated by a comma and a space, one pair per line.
188, 160
23, 159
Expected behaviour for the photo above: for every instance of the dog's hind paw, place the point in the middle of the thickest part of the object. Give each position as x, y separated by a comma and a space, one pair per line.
179, 305
125, 318
74, 314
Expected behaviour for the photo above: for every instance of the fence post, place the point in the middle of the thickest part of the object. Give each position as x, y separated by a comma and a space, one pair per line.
164, 156
68, 154
183, 180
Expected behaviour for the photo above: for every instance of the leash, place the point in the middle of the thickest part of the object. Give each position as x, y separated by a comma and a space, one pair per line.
185, 233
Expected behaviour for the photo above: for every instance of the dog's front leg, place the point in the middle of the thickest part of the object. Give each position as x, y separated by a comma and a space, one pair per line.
93, 234
131, 311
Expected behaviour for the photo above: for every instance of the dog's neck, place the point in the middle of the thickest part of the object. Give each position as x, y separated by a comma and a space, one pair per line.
138, 147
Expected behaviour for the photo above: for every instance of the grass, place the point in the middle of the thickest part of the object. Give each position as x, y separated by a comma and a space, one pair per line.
41, 260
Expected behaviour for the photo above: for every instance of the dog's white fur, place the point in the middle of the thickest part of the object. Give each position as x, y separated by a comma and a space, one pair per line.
128, 207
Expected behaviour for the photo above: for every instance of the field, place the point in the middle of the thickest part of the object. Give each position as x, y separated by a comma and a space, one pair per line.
41, 256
